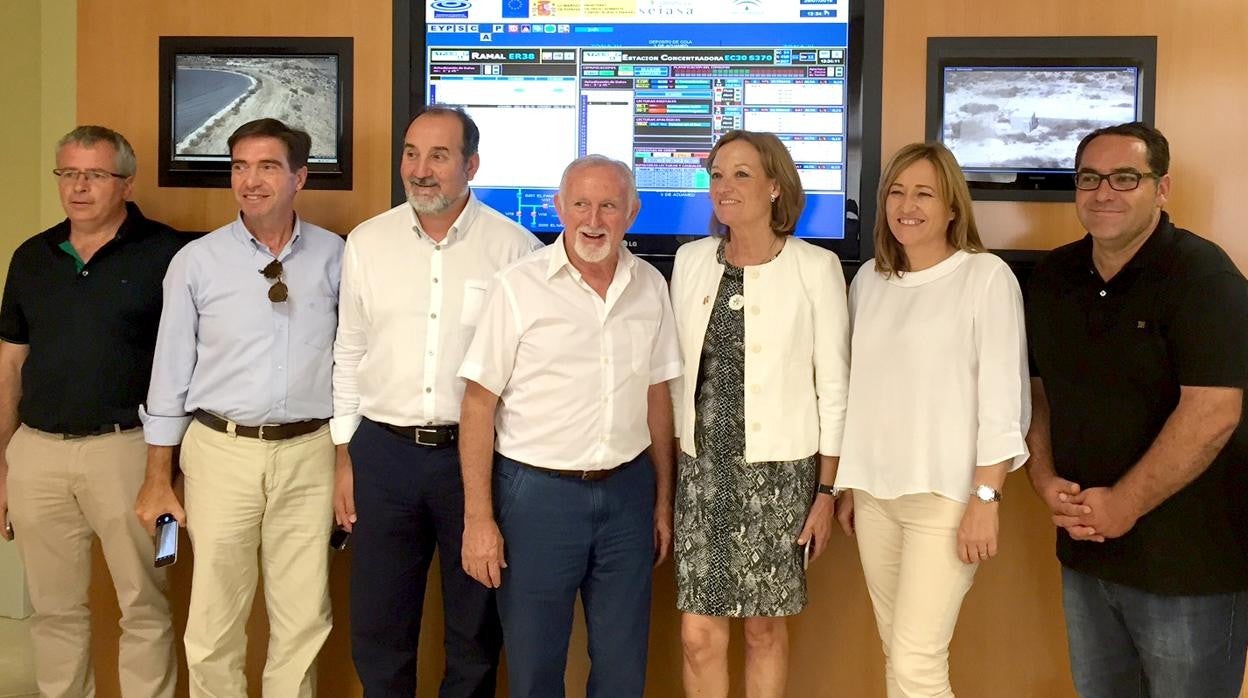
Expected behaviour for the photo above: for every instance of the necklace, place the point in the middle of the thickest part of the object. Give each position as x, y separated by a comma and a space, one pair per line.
773, 251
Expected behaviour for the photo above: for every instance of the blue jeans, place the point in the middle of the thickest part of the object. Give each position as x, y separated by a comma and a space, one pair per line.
1128, 643
563, 536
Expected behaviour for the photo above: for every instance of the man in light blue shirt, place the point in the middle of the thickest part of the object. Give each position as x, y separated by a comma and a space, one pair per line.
241, 379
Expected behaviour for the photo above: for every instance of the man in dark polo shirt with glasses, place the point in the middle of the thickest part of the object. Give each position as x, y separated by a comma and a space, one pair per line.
78, 324
1139, 334
241, 380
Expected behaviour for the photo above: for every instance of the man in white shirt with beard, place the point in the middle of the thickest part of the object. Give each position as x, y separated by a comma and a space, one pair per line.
413, 282
569, 369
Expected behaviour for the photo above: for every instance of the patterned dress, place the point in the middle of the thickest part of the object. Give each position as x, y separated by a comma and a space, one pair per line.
736, 522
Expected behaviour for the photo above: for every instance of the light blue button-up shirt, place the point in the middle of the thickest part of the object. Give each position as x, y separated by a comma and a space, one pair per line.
224, 347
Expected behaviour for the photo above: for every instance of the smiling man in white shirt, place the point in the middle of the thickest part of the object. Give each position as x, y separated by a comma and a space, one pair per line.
414, 279
569, 367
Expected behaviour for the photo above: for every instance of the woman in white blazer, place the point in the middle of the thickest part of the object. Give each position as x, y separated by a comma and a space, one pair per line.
938, 407
764, 334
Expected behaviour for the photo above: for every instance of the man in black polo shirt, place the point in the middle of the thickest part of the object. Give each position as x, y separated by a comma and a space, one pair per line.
78, 324
1139, 334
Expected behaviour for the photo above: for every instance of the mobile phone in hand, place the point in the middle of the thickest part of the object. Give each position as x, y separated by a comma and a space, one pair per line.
166, 540
806, 553
339, 538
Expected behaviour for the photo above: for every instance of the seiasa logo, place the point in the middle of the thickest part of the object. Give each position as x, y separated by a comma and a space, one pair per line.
450, 5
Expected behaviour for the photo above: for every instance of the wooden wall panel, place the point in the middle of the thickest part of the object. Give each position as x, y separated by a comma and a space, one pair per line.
1010, 640
1202, 89
117, 86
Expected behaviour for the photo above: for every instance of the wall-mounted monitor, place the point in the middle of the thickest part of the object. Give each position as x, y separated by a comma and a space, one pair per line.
1013, 109
211, 85
654, 83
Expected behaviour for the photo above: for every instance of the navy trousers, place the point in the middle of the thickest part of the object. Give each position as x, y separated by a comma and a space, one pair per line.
409, 499
563, 536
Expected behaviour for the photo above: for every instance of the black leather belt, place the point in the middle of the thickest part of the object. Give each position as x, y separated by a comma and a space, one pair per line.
432, 436
586, 475
264, 432
97, 430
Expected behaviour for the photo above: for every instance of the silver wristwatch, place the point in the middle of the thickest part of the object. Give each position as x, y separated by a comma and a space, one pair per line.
986, 494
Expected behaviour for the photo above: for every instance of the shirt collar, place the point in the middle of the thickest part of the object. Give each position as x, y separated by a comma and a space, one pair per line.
132, 226
240, 233
463, 222
559, 260
1158, 242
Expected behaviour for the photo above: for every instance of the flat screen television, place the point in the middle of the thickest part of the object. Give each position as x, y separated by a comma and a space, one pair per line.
654, 83
1013, 110
209, 86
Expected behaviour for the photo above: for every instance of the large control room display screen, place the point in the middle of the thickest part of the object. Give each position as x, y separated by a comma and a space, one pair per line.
653, 83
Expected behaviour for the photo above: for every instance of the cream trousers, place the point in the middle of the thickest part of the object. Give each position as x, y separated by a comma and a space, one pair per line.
62, 493
916, 581
257, 507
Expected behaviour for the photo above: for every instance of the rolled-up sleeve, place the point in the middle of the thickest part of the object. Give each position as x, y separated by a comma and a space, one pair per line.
1003, 386
164, 416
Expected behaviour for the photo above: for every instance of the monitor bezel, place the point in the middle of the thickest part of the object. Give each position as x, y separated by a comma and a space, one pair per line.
214, 174
1040, 52
866, 40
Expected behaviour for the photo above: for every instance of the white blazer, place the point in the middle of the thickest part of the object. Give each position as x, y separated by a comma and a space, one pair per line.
796, 347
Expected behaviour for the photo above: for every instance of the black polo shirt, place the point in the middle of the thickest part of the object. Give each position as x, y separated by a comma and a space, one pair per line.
1113, 357
91, 330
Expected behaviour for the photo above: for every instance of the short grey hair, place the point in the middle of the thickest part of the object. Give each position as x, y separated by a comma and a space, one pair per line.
625, 172
87, 136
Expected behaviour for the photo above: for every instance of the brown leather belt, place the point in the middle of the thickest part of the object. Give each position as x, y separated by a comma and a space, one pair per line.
432, 436
264, 432
586, 475
82, 433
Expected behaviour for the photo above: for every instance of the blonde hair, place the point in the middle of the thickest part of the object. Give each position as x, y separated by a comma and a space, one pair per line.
962, 234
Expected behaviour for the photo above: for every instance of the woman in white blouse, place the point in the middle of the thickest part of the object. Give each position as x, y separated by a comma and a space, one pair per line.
938, 407
764, 335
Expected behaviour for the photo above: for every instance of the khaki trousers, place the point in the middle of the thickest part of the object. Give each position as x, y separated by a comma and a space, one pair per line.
916, 581
61, 493
257, 507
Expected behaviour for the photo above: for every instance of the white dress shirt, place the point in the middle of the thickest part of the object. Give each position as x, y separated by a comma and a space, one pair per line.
407, 310
939, 381
572, 369
796, 347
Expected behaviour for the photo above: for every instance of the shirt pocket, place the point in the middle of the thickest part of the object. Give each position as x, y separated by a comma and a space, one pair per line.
474, 301
318, 322
641, 338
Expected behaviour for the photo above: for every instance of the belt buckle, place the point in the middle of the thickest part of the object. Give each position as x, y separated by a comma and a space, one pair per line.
260, 431
587, 475
419, 432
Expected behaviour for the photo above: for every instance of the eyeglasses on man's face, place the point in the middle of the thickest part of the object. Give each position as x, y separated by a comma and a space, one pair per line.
272, 271
68, 175
1126, 180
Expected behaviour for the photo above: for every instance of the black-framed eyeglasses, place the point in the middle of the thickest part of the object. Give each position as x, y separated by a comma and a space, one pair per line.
1127, 180
278, 293
68, 175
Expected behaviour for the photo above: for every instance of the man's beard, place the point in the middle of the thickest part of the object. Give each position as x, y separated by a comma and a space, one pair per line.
427, 206
591, 252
